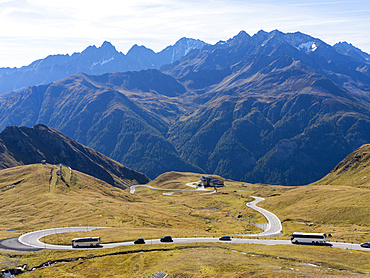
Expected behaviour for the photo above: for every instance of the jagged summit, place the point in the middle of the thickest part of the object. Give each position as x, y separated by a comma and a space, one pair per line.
298, 40
107, 45
181, 48
93, 60
106, 58
354, 52
241, 37
137, 50
185, 45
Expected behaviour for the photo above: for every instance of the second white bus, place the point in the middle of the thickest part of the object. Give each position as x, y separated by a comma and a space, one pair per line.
313, 238
86, 242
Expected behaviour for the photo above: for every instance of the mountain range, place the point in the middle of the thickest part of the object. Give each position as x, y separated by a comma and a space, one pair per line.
271, 108
24, 145
93, 60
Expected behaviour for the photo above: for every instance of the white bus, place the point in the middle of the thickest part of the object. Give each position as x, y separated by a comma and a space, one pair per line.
313, 238
86, 242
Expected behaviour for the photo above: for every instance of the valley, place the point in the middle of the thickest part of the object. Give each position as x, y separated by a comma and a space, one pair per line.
186, 214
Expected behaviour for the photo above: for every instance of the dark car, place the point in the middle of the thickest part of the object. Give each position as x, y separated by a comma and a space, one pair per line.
166, 239
365, 244
225, 238
139, 241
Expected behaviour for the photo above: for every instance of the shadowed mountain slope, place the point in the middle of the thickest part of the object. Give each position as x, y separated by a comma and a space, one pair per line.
23, 145
102, 116
276, 108
270, 108
354, 170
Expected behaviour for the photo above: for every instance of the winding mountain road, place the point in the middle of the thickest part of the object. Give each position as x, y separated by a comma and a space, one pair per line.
31, 241
273, 228
273, 222
133, 188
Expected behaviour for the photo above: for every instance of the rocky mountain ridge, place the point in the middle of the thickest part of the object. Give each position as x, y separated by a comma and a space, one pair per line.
272, 108
93, 60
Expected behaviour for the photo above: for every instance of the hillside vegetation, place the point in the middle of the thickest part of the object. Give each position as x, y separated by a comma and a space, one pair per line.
337, 204
200, 260
35, 197
338, 210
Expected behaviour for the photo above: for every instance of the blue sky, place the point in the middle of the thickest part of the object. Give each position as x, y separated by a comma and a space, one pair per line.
33, 29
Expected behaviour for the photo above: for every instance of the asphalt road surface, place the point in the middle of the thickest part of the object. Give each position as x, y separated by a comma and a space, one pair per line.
133, 188
32, 240
274, 224
13, 244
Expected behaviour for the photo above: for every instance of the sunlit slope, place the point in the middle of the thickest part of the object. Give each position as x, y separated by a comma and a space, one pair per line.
39, 196
35, 197
337, 204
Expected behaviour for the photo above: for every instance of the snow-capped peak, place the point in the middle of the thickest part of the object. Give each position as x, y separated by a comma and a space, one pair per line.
307, 47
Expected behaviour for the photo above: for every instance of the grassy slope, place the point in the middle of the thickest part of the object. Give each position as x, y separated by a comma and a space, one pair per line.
150, 214
84, 200
34, 197
337, 204
185, 213
200, 260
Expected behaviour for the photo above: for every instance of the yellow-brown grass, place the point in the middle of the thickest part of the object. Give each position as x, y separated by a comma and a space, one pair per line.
34, 197
342, 211
197, 260
40, 199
